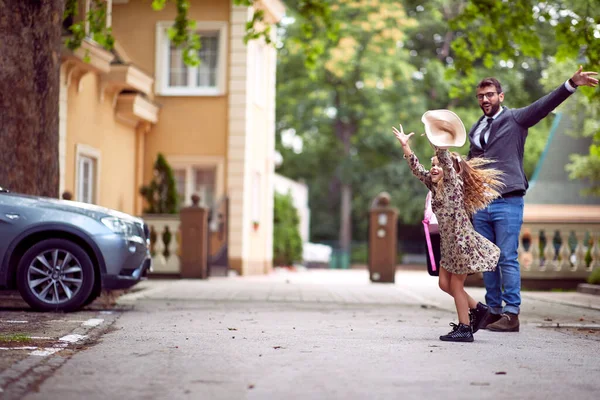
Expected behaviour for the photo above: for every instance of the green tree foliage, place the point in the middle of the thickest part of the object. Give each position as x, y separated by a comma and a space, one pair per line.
287, 243
594, 277
182, 33
161, 194
422, 54
362, 86
433, 44
587, 166
555, 30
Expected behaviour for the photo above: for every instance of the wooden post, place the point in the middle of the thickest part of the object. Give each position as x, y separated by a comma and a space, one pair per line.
194, 241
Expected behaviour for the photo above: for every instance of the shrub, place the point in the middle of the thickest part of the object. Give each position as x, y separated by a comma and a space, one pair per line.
359, 253
287, 243
594, 277
161, 194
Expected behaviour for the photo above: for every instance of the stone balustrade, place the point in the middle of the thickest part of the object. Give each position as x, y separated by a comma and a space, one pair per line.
559, 242
165, 242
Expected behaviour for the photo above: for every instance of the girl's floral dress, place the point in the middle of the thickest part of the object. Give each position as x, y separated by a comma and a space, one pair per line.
463, 250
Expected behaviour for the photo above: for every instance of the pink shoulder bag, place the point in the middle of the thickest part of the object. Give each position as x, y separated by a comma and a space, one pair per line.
430, 225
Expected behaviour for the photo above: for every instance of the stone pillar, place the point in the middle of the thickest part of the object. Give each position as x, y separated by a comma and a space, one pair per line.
382, 240
194, 241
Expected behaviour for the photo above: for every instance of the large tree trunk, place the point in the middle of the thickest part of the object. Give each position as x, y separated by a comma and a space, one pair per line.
344, 132
346, 217
30, 43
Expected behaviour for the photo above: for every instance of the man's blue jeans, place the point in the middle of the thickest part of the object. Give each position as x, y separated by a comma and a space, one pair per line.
501, 223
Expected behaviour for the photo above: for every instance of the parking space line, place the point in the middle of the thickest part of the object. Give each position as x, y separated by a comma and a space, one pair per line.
73, 338
72, 321
19, 348
46, 352
93, 322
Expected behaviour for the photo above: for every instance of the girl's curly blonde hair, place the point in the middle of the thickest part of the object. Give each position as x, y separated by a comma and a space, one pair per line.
480, 185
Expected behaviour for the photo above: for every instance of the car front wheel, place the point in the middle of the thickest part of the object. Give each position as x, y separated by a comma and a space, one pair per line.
55, 275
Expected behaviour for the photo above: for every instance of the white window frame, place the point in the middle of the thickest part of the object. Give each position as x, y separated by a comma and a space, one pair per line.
162, 87
189, 163
86, 151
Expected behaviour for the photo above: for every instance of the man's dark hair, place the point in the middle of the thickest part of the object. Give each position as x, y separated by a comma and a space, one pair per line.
490, 82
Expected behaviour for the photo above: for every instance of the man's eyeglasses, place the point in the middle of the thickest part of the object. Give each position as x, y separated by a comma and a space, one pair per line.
489, 95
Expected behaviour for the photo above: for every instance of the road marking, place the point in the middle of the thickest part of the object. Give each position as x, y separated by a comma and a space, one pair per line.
93, 322
73, 321
46, 352
74, 338
14, 322
19, 348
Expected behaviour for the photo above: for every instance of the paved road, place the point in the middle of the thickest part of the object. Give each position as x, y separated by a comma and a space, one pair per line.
327, 335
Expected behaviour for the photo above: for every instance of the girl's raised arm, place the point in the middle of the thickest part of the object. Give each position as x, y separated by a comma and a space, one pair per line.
413, 162
445, 160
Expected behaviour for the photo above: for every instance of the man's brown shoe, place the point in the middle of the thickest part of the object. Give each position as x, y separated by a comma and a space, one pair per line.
508, 322
488, 319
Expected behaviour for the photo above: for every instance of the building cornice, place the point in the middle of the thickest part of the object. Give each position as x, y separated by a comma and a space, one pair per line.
89, 57
125, 77
133, 109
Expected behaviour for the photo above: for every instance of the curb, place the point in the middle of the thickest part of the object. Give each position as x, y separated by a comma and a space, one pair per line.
17, 380
588, 289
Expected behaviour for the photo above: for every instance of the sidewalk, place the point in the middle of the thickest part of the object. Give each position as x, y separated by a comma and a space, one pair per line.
352, 287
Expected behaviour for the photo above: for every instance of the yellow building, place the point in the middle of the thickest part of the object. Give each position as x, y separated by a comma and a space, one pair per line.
214, 123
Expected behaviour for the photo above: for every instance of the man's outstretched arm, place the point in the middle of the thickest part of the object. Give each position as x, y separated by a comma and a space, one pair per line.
535, 112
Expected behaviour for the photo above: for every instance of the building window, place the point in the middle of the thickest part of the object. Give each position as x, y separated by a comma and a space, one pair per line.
209, 54
86, 185
178, 71
179, 175
204, 184
199, 180
97, 5
175, 78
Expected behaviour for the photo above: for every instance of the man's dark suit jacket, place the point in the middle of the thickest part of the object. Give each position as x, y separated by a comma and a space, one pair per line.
506, 143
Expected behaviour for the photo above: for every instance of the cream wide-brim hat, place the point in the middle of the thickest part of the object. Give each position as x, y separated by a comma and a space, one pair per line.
444, 128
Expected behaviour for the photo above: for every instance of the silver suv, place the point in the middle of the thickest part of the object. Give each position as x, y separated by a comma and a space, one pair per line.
61, 254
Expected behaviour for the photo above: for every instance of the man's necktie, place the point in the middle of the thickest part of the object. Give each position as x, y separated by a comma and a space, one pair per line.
484, 131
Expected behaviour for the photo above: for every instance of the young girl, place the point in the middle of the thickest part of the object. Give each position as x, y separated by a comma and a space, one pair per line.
459, 188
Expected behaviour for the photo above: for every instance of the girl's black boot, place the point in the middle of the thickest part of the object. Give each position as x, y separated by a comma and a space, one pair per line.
459, 333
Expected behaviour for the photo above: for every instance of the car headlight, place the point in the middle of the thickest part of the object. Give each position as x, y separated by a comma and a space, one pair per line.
118, 226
